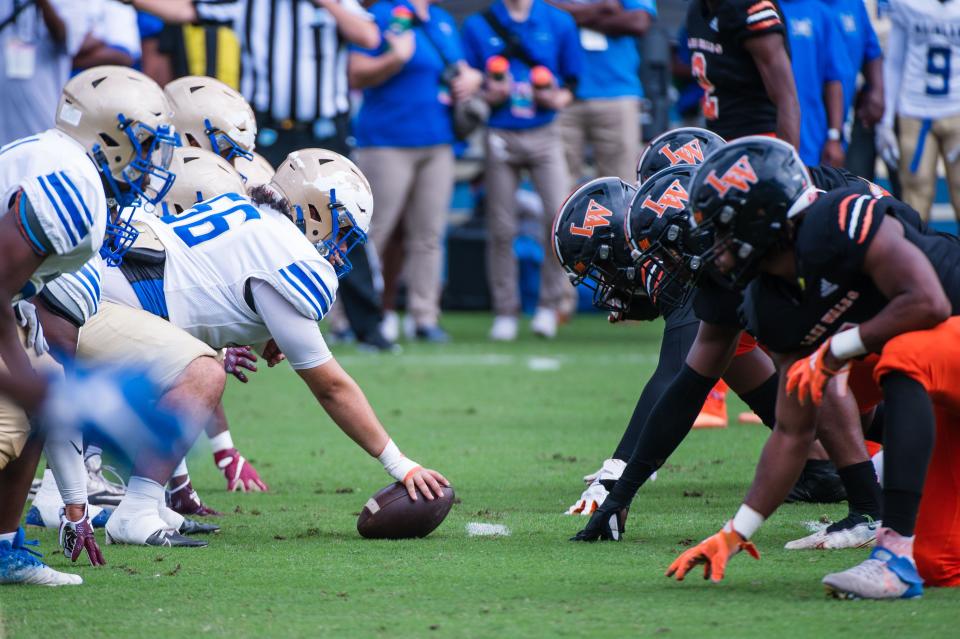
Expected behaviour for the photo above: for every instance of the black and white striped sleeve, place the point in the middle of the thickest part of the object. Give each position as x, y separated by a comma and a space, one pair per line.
228, 12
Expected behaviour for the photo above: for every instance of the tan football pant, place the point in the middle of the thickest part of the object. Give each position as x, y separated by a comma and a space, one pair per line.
611, 127
14, 424
412, 186
943, 141
538, 151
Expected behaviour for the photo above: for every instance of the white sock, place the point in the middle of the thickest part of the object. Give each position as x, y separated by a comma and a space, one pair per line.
8, 536
181, 468
92, 451
142, 494
223, 441
65, 458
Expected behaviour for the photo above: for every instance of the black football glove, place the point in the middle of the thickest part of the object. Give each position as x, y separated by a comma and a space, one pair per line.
608, 523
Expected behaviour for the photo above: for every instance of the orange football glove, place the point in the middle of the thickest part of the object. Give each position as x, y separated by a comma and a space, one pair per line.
809, 376
713, 552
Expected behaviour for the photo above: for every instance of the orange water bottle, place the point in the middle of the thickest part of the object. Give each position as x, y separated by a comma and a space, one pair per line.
401, 19
541, 77
498, 67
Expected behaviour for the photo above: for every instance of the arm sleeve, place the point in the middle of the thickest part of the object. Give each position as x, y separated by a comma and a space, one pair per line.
745, 19
893, 66
298, 337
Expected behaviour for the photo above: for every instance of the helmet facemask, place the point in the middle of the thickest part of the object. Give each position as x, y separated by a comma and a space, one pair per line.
224, 145
345, 234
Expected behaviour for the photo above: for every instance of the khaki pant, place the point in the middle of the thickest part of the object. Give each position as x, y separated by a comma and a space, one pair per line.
14, 424
127, 336
611, 127
412, 186
508, 153
942, 141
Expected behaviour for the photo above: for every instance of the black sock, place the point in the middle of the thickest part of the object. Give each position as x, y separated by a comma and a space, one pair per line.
863, 490
909, 428
763, 400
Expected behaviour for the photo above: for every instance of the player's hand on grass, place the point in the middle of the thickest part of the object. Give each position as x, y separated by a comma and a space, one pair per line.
237, 358
271, 352
808, 377
429, 482
608, 523
713, 552
240, 474
76, 537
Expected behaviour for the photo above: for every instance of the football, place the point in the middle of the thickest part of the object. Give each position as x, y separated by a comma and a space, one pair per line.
391, 514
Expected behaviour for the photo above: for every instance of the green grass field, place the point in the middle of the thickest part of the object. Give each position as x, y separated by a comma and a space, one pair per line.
514, 427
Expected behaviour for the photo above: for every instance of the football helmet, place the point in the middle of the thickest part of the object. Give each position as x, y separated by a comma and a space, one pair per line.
686, 145
588, 241
657, 230
201, 175
210, 115
741, 199
330, 201
255, 170
122, 119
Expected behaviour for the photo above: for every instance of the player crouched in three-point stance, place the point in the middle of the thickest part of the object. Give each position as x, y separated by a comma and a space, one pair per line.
238, 270
815, 264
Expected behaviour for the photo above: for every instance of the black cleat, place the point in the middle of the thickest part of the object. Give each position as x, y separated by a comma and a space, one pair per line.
173, 540
818, 484
192, 527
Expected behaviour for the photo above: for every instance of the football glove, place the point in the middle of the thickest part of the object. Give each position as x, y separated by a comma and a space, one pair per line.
888, 147
77, 537
808, 377
26, 314
713, 552
598, 487
240, 475
608, 523
236, 358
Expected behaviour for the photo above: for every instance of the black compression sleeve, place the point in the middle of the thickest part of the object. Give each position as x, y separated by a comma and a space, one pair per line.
669, 422
909, 429
763, 400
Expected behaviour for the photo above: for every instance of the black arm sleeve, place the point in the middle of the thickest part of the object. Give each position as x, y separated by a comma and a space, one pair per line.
667, 425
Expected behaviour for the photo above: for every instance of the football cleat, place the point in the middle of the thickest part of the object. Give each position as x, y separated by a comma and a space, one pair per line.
101, 490
608, 523
240, 475
597, 487
34, 487
544, 323
818, 484
77, 537
883, 576
192, 527
45, 510
21, 565
145, 528
853, 531
185, 500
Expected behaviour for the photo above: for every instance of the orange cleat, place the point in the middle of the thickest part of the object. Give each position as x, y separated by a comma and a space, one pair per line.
714, 411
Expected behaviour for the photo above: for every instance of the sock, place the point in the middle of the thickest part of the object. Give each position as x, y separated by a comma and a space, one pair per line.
9, 537
223, 441
181, 469
863, 491
895, 542
763, 400
142, 494
65, 458
92, 451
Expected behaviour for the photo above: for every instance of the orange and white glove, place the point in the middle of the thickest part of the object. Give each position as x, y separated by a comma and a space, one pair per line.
808, 377
713, 552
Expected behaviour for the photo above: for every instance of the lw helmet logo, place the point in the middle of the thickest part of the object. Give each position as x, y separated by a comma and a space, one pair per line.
740, 176
673, 197
596, 216
689, 153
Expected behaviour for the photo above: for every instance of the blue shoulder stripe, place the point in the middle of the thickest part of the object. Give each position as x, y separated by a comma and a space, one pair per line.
301, 275
72, 209
303, 294
93, 277
25, 225
85, 283
319, 280
56, 207
66, 178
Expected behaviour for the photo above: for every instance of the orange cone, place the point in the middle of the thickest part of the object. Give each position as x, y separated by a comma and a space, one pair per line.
714, 411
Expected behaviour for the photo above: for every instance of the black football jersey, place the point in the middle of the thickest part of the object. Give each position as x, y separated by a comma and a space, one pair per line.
735, 101
831, 288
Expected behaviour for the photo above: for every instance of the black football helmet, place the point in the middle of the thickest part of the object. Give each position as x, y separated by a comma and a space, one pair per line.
686, 145
589, 242
741, 199
657, 229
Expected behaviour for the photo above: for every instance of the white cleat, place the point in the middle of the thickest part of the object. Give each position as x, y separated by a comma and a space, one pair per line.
882, 576
846, 534
544, 323
20, 565
45, 509
390, 326
101, 490
504, 328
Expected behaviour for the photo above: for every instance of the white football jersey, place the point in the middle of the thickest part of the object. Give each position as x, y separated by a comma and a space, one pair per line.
930, 76
64, 189
215, 248
78, 293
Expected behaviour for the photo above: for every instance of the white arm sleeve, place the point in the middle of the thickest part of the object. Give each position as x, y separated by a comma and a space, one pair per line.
297, 336
893, 59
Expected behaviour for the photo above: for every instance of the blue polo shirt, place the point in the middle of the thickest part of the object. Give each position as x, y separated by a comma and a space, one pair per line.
412, 108
860, 42
550, 37
818, 56
611, 64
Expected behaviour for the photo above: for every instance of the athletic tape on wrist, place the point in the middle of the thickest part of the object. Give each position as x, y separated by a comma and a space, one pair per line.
847, 344
747, 521
396, 465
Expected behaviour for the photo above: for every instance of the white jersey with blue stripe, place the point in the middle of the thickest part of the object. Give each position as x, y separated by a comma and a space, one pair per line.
67, 215
214, 250
78, 293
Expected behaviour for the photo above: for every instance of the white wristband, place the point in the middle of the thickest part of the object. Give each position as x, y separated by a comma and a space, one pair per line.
396, 465
847, 344
747, 521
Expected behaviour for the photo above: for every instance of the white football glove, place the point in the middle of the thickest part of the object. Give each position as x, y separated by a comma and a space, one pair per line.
26, 314
888, 147
596, 492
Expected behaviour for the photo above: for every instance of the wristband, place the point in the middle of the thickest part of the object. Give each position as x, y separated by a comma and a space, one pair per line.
747, 521
396, 465
847, 344
833, 135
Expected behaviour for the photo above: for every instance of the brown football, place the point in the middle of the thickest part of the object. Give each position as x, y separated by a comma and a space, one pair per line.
391, 514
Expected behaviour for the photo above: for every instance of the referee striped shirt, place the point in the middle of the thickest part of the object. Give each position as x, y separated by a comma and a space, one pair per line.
293, 61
